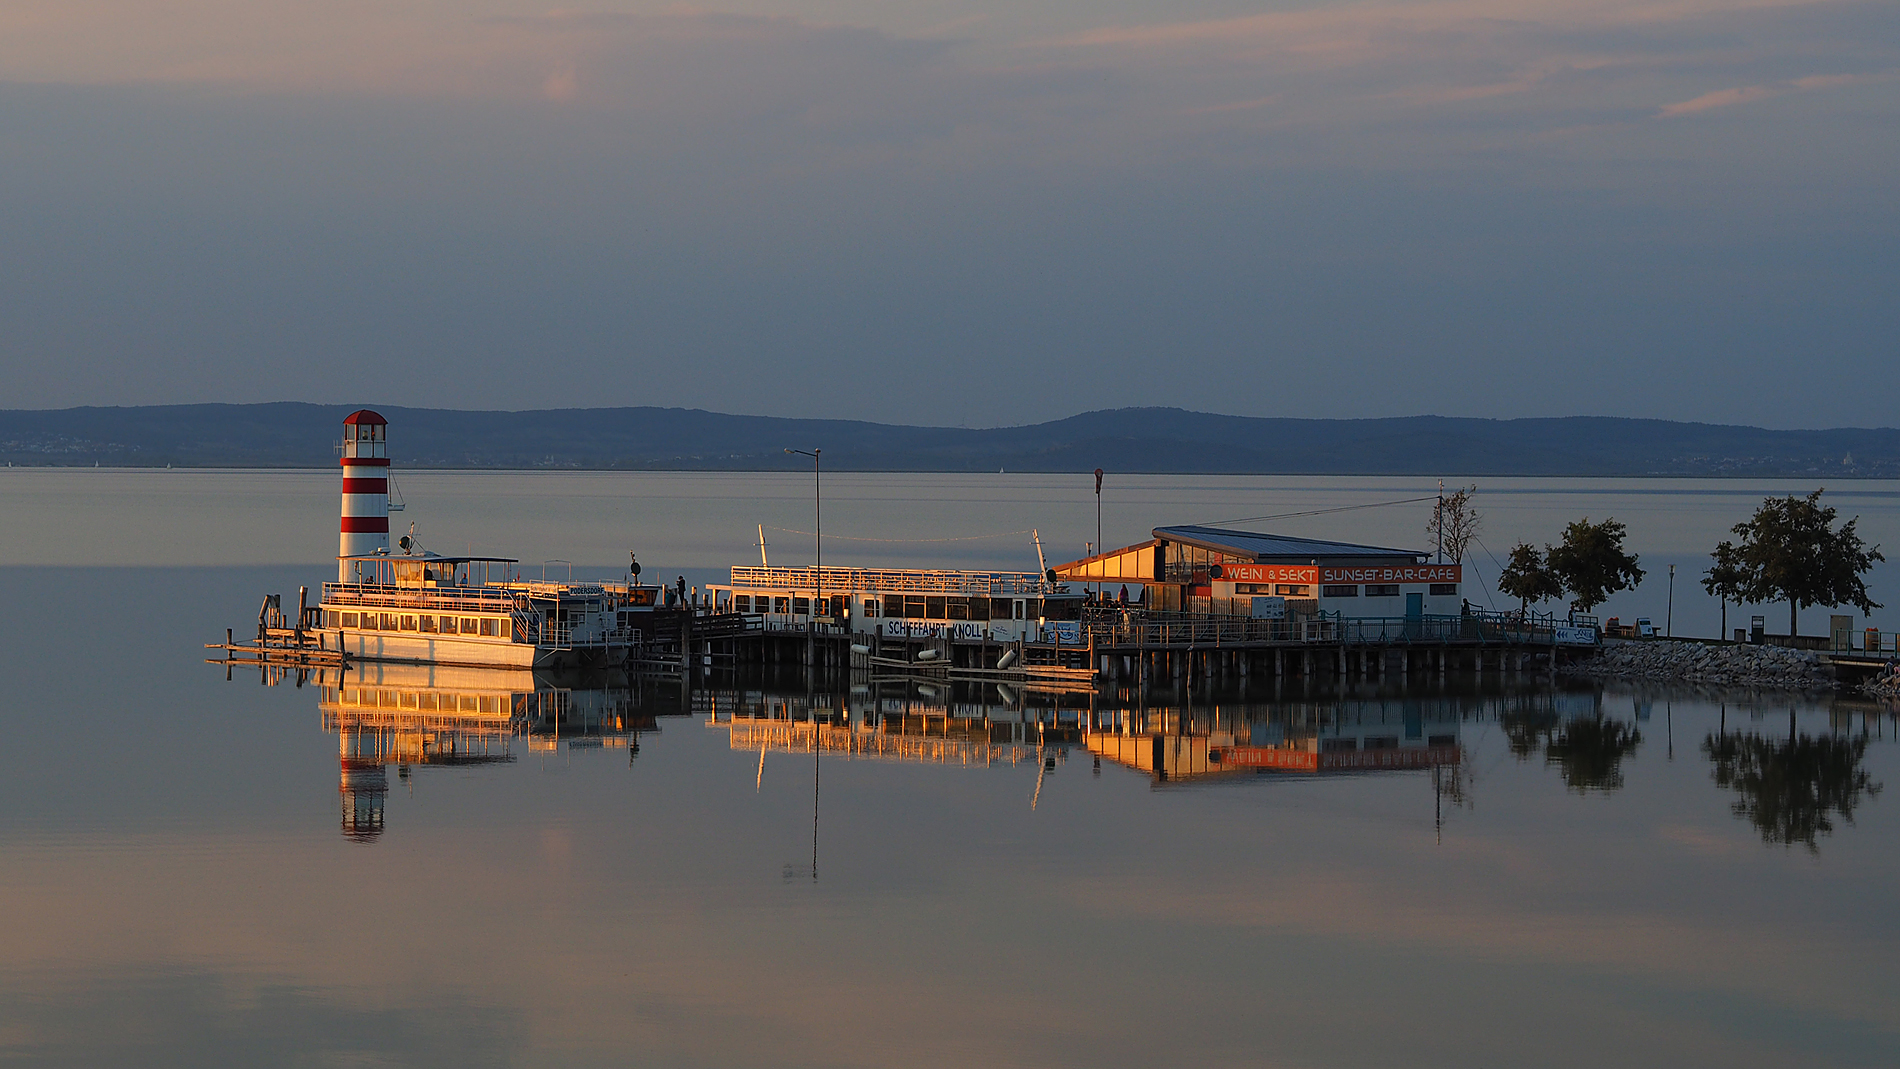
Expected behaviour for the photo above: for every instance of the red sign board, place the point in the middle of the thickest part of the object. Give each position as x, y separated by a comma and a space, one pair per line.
1269, 573
1394, 573
1342, 761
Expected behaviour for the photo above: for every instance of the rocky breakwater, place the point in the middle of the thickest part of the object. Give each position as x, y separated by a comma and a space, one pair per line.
1720, 665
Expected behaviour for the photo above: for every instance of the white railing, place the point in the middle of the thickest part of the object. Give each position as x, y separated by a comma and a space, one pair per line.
463, 599
886, 580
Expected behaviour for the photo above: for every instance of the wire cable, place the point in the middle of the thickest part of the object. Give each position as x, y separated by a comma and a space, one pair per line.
1323, 512
851, 538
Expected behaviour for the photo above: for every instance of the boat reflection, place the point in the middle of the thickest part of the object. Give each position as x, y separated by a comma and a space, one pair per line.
419, 716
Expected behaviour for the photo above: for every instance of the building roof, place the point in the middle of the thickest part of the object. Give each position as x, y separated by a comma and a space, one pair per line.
363, 415
1270, 546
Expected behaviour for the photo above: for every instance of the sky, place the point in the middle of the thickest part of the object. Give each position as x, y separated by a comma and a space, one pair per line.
951, 212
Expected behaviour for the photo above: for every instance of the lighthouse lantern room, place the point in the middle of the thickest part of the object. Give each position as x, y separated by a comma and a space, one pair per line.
365, 521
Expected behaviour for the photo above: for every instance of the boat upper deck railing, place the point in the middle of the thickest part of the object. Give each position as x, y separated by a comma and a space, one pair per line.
887, 580
486, 599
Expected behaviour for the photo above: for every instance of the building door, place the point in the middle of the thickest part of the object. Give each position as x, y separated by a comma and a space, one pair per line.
1414, 606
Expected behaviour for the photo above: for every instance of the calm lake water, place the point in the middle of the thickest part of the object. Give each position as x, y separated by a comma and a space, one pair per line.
1607, 874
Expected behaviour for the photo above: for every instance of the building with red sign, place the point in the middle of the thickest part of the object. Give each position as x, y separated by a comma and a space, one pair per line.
1242, 573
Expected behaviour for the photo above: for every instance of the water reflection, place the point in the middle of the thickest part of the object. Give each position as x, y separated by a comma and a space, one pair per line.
424, 717
1575, 735
1791, 788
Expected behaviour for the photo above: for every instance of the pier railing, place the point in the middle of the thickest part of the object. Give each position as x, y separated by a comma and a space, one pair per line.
1135, 628
887, 580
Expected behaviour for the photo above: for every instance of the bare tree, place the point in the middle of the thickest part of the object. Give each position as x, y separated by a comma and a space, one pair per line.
1455, 523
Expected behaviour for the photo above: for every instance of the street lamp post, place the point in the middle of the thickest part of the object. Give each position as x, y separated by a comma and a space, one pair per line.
818, 533
1669, 618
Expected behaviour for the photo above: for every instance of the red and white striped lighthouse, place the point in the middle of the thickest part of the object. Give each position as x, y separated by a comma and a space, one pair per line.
365, 491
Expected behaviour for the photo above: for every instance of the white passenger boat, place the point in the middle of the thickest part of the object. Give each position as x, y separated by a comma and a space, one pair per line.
409, 605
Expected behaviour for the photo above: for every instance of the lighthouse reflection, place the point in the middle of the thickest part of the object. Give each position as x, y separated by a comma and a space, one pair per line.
424, 717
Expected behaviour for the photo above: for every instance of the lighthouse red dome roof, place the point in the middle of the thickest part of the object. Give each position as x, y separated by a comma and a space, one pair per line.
363, 415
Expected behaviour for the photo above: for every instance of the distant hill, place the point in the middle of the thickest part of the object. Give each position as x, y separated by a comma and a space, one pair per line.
1123, 440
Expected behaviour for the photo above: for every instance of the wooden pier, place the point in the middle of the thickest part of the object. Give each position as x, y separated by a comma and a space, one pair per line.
1116, 646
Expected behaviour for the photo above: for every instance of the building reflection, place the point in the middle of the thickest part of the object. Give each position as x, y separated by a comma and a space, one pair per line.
421, 717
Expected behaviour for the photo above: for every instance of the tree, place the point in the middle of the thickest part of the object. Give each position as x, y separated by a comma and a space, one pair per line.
1527, 577
1455, 523
1790, 551
1591, 563
1727, 579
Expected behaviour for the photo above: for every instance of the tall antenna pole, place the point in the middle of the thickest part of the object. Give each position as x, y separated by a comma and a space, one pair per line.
763, 563
1440, 525
1099, 548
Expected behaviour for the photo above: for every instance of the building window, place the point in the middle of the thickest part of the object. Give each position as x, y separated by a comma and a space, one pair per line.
1382, 590
1339, 591
1292, 590
1444, 589
1338, 745
1382, 742
1442, 740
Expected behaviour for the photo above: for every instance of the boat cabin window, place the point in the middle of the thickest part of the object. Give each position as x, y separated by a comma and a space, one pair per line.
742, 603
933, 608
801, 606
1062, 609
469, 627
959, 608
491, 626
349, 619
1000, 608
870, 607
781, 605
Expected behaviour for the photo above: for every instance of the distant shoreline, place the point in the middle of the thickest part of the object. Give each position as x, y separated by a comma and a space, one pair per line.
1150, 441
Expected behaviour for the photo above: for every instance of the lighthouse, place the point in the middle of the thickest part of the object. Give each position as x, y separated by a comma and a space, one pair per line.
365, 526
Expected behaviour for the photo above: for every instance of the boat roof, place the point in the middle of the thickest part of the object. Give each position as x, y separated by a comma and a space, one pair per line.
1266, 546
433, 558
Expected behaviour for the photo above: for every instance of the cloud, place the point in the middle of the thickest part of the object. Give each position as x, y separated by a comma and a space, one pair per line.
1748, 94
